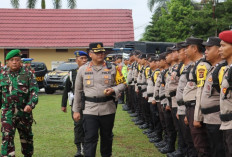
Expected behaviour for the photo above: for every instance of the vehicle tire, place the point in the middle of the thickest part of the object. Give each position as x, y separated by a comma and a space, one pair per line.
49, 91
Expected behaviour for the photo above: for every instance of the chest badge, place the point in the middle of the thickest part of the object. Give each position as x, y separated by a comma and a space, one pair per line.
210, 79
106, 81
88, 82
224, 90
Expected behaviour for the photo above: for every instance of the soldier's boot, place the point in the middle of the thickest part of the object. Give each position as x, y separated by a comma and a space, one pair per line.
148, 131
170, 147
151, 135
135, 119
160, 144
78, 154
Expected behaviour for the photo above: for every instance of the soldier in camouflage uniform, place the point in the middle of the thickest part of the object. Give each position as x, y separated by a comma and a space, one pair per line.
18, 97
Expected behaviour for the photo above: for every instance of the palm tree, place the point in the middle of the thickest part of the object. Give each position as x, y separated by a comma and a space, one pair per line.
160, 3
56, 3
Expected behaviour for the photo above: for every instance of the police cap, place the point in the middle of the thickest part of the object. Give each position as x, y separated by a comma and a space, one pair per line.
193, 41
97, 47
212, 41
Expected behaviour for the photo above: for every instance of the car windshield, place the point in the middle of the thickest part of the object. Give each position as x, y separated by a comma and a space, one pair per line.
67, 66
38, 67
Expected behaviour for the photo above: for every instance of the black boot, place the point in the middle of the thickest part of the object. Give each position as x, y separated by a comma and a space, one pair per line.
167, 149
78, 154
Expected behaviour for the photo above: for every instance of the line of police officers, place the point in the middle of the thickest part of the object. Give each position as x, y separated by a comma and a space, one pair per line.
184, 94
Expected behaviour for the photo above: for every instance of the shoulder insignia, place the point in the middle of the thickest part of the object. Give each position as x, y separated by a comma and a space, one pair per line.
221, 74
201, 75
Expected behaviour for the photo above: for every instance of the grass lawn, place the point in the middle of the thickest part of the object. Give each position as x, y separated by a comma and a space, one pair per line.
53, 133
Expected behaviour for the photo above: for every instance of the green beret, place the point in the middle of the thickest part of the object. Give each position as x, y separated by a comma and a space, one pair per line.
13, 53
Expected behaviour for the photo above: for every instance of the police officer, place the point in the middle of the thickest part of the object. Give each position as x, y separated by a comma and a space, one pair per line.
160, 140
81, 59
226, 94
101, 82
192, 94
181, 109
167, 104
154, 115
131, 84
210, 99
174, 74
19, 95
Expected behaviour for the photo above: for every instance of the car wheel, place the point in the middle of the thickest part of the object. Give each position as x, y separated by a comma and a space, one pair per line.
49, 91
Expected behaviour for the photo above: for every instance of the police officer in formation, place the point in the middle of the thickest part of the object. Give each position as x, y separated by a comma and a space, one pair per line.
185, 93
18, 96
101, 83
68, 93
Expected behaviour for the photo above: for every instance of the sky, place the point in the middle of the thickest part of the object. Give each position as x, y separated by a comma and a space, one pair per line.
140, 12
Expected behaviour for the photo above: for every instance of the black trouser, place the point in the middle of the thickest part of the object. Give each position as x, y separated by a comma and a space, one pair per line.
133, 98
155, 119
199, 135
127, 96
78, 130
181, 142
215, 136
170, 127
191, 151
161, 117
227, 138
139, 106
145, 106
92, 124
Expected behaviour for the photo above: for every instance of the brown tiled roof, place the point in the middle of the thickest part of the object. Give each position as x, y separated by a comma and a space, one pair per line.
39, 28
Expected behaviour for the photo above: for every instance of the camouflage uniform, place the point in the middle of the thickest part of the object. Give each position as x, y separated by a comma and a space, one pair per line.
18, 89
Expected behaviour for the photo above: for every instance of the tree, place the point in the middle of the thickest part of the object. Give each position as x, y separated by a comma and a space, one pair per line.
161, 3
173, 24
56, 3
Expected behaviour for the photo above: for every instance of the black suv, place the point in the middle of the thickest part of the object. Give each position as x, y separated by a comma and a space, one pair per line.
40, 71
55, 80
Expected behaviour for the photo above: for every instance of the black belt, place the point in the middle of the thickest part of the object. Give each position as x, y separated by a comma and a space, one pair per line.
141, 83
190, 103
172, 94
180, 103
164, 105
102, 99
226, 117
143, 90
157, 98
135, 81
162, 97
150, 95
210, 109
